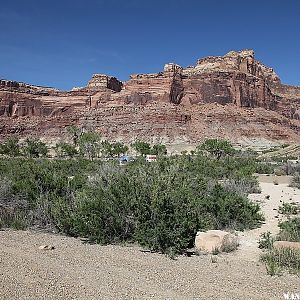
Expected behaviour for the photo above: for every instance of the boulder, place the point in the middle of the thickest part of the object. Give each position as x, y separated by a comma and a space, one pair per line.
215, 241
282, 245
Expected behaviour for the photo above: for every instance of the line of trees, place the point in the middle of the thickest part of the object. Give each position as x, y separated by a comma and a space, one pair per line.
88, 144
85, 144
32, 148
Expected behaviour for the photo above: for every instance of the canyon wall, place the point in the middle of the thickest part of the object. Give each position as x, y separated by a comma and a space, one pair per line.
231, 96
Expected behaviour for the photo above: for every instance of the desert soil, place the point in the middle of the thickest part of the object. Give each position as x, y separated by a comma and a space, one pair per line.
75, 270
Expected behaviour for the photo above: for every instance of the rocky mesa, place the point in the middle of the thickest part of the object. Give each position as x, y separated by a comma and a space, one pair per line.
232, 96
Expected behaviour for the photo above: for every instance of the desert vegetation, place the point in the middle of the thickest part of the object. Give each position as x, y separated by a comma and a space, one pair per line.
82, 191
279, 259
159, 205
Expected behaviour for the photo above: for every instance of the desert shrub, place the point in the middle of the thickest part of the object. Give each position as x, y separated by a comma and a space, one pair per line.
289, 168
266, 241
280, 171
229, 245
264, 168
19, 220
13, 208
290, 230
10, 147
66, 150
35, 184
34, 148
271, 262
229, 210
155, 205
289, 209
296, 180
242, 187
278, 259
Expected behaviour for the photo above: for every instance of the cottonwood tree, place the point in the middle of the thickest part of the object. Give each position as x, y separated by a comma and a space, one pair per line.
35, 148
141, 147
10, 147
159, 149
217, 147
65, 149
89, 144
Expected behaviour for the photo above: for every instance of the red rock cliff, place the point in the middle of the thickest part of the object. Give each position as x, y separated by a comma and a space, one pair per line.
231, 96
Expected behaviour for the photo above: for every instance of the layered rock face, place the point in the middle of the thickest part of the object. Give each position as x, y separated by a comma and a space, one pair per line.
166, 86
234, 78
231, 96
104, 81
242, 61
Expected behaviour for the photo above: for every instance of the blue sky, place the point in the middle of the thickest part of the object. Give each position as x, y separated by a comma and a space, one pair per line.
62, 43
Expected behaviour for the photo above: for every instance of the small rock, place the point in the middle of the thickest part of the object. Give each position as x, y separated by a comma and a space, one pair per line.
46, 247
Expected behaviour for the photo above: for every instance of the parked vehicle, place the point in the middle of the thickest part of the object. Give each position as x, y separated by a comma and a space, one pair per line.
151, 158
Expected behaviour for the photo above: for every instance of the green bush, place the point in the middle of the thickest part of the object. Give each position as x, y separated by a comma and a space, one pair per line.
34, 148
266, 241
162, 210
159, 149
289, 209
113, 149
296, 180
216, 147
10, 147
66, 150
290, 230
89, 144
141, 148
278, 259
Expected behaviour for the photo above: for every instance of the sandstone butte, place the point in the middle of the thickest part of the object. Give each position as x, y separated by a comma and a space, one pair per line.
232, 96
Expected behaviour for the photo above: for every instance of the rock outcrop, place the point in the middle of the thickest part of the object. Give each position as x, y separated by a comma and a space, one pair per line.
104, 81
243, 62
232, 96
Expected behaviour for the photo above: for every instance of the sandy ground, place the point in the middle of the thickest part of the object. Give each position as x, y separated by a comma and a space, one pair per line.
277, 195
74, 270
